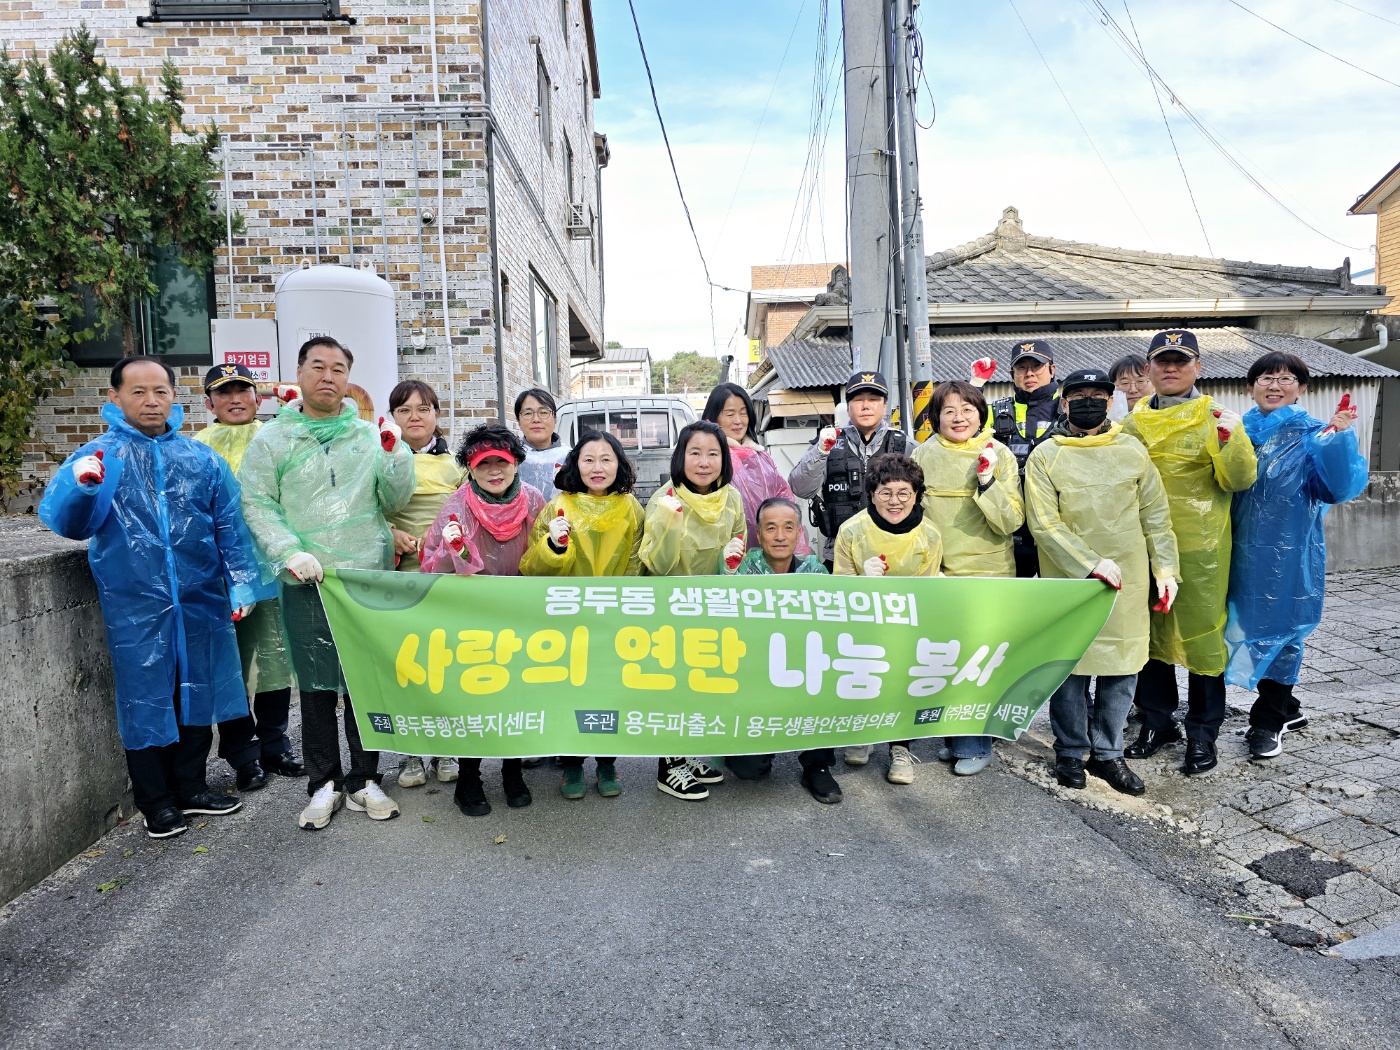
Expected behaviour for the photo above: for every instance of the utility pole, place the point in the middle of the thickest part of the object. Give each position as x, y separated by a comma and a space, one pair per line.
867, 172
912, 223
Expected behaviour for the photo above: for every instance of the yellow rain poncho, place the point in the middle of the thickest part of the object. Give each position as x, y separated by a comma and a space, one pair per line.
1095, 497
975, 524
692, 542
262, 646
605, 537
918, 552
229, 441
1200, 476
436, 477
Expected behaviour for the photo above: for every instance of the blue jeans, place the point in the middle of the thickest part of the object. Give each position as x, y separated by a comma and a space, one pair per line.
1080, 731
970, 746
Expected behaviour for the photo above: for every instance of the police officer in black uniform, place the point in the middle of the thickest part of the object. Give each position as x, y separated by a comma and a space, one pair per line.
831, 473
1023, 420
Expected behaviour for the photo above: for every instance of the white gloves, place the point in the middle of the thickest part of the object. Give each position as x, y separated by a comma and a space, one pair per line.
982, 370
733, 553
987, 464
89, 470
1166, 593
241, 613
305, 567
1108, 571
671, 501
390, 433
1225, 424
452, 534
875, 566
826, 440
559, 530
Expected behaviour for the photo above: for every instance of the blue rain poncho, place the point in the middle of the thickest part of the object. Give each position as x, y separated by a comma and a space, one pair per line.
1279, 565
172, 559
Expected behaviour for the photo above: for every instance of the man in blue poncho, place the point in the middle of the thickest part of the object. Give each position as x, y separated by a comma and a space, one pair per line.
175, 567
1278, 571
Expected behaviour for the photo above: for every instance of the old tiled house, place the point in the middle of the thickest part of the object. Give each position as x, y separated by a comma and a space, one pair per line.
425, 140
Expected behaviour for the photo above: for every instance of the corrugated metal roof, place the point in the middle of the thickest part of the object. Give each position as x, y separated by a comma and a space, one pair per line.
1226, 353
626, 353
804, 364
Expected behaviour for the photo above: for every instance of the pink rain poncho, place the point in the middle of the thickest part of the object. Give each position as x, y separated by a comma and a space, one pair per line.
757, 479
497, 534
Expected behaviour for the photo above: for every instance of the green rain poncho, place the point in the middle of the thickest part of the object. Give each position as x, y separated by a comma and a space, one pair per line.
976, 524
321, 486
754, 564
1200, 476
605, 537
1095, 497
262, 645
691, 542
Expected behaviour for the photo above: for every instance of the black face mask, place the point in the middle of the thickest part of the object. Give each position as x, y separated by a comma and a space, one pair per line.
1087, 413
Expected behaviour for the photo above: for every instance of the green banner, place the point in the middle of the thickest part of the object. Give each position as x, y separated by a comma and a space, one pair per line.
495, 666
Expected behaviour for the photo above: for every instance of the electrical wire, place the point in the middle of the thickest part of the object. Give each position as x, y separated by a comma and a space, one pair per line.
1082, 128
1116, 32
1310, 44
1371, 13
1167, 124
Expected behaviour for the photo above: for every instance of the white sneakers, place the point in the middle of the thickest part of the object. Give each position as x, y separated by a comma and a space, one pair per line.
447, 769
322, 807
857, 754
372, 800
901, 765
411, 773
328, 798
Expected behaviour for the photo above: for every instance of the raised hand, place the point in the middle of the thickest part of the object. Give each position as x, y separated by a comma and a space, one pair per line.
559, 530
452, 534
389, 434
89, 470
987, 463
876, 566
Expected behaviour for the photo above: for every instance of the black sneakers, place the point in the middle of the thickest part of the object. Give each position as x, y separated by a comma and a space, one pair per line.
1264, 743
517, 794
470, 797
211, 803
166, 824
822, 785
705, 773
1116, 772
674, 777
251, 777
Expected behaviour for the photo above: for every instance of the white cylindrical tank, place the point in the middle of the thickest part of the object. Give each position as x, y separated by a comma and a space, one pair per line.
353, 306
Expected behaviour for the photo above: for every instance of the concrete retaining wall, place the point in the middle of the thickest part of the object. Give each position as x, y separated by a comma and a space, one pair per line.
1365, 533
61, 763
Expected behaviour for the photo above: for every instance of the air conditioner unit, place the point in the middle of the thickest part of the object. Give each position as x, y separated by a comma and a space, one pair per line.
579, 228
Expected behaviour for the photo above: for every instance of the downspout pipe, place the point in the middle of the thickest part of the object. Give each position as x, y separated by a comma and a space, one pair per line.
490, 130
1384, 336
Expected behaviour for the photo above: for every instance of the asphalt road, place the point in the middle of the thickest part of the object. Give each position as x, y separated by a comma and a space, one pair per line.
953, 913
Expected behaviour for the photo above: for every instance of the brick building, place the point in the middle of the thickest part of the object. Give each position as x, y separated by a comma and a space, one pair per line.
447, 145
780, 296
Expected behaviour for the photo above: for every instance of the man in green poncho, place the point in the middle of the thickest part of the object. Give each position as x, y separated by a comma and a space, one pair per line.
1204, 457
317, 481
257, 743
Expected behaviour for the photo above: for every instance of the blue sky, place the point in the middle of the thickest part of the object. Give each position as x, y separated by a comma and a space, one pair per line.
1315, 131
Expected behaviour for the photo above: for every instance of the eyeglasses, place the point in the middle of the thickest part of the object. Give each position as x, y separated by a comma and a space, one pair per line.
532, 414
893, 496
1282, 382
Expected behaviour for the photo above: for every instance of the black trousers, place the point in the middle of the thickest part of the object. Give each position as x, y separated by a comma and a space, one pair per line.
163, 777
752, 767
1157, 700
1275, 707
320, 744
511, 769
261, 734
567, 761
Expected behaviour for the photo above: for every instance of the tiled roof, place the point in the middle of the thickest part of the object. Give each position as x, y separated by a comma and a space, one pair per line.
626, 353
1226, 353
1008, 265
805, 364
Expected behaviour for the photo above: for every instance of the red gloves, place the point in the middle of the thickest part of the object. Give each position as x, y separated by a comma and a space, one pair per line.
1344, 405
452, 534
89, 470
982, 370
559, 530
389, 434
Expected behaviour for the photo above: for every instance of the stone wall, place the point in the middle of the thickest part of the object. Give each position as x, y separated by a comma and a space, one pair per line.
1365, 533
61, 762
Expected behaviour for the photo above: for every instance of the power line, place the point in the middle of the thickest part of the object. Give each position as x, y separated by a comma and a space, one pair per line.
1310, 44
1121, 38
1167, 124
1082, 128
1371, 13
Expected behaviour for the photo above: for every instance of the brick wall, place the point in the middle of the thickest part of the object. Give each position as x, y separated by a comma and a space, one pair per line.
290, 96
782, 319
790, 275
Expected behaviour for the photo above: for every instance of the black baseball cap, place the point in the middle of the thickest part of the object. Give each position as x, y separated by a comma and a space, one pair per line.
1093, 377
1036, 348
1177, 340
223, 375
861, 382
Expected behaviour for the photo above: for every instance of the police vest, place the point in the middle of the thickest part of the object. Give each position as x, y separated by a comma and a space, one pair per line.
843, 489
1007, 429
